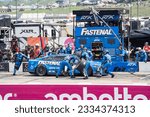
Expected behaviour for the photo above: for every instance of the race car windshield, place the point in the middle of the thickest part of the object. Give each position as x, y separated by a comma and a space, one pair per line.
59, 58
48, 59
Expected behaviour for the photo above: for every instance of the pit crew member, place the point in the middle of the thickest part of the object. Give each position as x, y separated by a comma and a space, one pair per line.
70, 63
106, 63
18, 60
68, 49
61, 50
141, 55
85, 59
37, 50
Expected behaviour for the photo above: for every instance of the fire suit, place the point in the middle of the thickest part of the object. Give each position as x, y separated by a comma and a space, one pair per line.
106, 63
86, 61
141, 56
18, 60
68, 50
71, 62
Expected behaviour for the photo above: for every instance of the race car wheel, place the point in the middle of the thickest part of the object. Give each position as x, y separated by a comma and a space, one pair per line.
90, 71
41, 70
81, 67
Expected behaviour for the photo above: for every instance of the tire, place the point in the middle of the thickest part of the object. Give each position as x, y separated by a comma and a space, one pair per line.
90, 71
41, 70
81, 67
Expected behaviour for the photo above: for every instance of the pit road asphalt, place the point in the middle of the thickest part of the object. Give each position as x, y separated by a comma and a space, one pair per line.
139, 78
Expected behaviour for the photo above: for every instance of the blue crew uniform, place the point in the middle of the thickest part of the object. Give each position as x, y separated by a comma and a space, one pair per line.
81, 48
79, 51
106, 63
61, 51
121, 54
141, 56
86, 61
68, 50
18, 60
74, 61
90, 54
64, 64
70, 62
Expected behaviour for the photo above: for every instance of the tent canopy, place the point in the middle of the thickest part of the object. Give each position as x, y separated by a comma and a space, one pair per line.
140, 34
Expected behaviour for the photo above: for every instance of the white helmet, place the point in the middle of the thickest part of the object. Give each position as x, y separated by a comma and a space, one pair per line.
37, 44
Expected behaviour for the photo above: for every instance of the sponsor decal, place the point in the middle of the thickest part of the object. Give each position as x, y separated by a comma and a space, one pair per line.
7, 96
52, 71
27, 31
89, 95
86, 17
131, 64
90, 17
108, 17
74, 92
87, 32
49, 62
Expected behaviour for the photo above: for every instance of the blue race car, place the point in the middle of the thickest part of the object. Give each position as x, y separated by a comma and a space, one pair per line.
49, 65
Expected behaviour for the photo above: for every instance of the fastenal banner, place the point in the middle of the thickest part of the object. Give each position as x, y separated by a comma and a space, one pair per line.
96, 31
74, 92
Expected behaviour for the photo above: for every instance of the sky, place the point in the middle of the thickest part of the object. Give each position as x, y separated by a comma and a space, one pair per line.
3, 0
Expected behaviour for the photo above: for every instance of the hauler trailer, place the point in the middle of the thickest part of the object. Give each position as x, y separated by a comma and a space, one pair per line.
101, 29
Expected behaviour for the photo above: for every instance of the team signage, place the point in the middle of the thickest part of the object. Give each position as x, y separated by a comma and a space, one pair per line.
90, 17
85, 32
74, 92
27, 31
96, 31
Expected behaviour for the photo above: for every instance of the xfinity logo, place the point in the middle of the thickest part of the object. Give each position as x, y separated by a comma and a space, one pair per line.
7, 96
87, 32
27, 31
